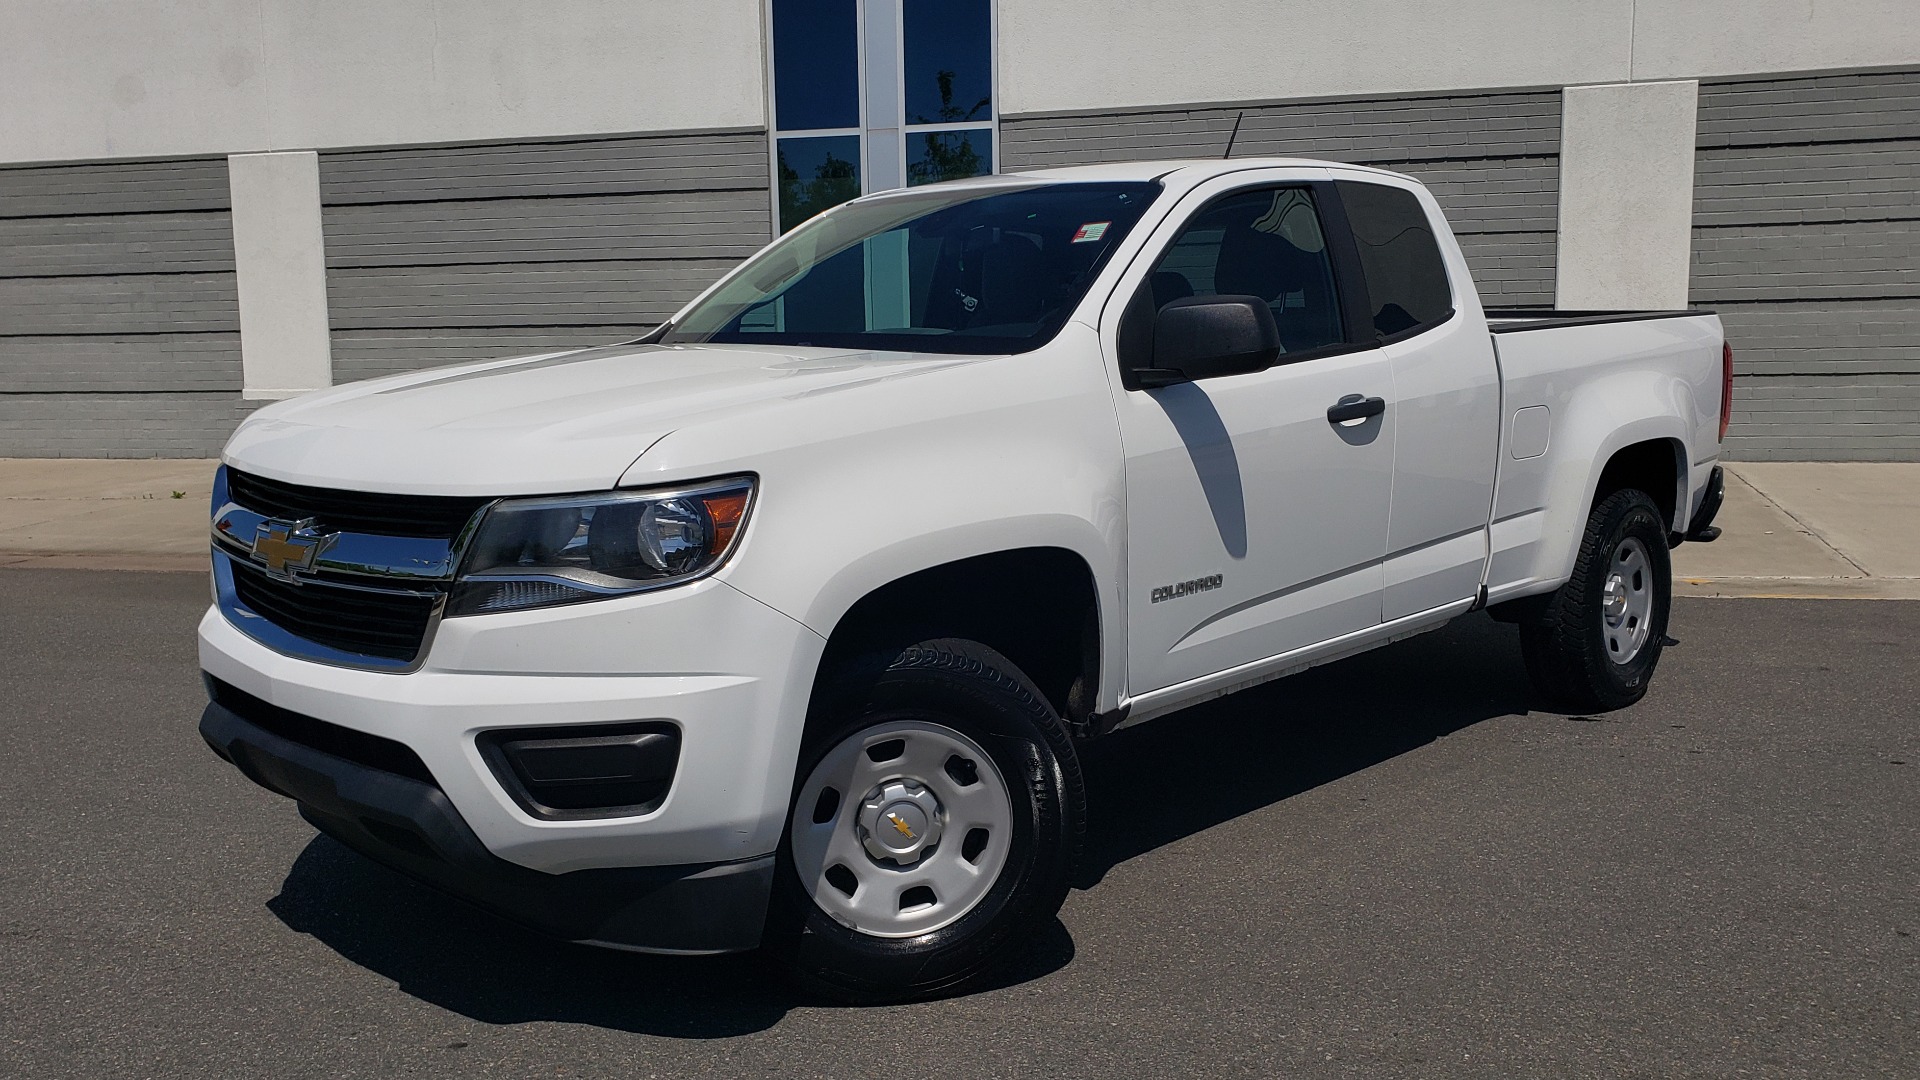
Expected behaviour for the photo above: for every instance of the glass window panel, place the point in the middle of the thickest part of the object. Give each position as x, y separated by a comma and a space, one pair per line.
949, 57
1406, 279
816, 174
816, 64
933, 156
1265, 243
978, 270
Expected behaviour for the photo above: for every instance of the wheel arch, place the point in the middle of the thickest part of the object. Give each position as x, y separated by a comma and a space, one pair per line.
1597, 458
1657, 466
1039, 606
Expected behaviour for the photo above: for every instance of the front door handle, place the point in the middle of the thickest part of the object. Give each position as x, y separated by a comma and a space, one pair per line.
1354, 407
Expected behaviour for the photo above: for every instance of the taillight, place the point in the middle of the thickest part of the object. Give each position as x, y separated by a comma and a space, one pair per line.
1726, 388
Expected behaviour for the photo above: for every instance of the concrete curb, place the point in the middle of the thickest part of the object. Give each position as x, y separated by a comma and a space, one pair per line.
1788, 588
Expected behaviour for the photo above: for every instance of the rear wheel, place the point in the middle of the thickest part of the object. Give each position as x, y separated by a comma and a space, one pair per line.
1594, 644
936, 817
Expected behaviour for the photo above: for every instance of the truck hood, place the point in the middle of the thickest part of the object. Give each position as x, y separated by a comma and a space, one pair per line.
559, 422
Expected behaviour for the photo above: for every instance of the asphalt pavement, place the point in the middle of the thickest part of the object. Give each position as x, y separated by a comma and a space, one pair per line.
1385, 867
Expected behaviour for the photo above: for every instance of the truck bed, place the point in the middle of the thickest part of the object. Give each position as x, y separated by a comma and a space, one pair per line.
1568, 402
1518, 319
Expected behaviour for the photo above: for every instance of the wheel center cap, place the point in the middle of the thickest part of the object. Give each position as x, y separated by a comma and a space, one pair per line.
901, 825
899, 820
1614, 604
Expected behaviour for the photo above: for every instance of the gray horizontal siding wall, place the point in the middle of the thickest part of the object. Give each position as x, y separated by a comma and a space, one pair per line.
119, 319
1807, 241
441, 254
1493, 160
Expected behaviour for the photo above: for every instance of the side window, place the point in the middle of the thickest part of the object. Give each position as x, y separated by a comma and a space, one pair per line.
1265, 243
1406, 280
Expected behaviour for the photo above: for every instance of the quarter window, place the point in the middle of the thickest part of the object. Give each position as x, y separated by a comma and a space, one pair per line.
1406, 280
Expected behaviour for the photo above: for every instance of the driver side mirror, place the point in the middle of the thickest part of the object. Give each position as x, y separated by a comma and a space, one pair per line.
1205, 337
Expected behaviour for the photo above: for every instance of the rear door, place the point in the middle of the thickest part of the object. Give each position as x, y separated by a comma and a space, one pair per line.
1256, 525
1421, 305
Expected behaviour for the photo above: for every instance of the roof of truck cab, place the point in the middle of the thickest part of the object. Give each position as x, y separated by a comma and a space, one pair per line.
1184, 175
1192, 169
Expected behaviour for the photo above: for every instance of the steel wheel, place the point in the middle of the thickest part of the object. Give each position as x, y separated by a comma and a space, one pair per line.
1626, 601
901, 829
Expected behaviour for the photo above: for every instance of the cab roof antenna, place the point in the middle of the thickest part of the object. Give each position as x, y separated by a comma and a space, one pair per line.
1235, 135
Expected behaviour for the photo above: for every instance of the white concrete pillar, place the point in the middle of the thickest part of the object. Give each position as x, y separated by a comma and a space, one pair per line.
280, 260
880, 38
1626, 195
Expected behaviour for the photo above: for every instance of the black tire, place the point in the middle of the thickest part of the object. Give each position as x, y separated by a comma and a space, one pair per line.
1565, 642
969, 688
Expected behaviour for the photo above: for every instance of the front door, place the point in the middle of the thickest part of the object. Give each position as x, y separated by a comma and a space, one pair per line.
1256, 524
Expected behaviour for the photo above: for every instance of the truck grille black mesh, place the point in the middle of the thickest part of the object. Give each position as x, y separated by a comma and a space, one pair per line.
373, 751
435, 516
391, 625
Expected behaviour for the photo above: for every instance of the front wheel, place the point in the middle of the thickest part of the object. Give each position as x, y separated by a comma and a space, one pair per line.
1595, 642
936, 818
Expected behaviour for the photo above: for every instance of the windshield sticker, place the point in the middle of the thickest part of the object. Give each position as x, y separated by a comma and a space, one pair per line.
1091, 231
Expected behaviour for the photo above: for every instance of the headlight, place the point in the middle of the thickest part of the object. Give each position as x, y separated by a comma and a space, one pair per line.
532, 553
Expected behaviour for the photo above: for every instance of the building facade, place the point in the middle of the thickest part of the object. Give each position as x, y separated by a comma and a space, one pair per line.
207, 205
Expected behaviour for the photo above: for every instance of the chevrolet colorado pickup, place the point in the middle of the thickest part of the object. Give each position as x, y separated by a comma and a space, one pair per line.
783, 625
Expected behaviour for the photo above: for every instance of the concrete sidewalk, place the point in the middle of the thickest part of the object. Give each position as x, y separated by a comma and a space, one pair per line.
1800, 529
1811, 529
111, 514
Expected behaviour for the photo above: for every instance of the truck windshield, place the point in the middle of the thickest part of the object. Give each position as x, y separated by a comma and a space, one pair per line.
973, 269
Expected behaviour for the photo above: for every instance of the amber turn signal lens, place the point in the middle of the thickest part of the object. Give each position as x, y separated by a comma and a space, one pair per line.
726, 511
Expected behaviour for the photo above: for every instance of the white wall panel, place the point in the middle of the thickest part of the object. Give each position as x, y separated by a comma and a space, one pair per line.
1689, 39
1626, 195
1072, 55
281, 263
90, 79
1078, 55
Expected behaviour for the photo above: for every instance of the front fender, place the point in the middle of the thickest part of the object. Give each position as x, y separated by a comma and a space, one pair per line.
861, 488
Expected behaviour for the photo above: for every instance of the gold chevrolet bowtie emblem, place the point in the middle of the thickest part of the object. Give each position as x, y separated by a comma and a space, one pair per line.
905, 829
286, 546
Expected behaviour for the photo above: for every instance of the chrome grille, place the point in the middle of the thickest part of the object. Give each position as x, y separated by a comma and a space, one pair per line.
361, 598
440, 517
385, 623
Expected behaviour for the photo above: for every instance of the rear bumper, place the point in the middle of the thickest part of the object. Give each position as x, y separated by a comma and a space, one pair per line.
411, 826
1700, 528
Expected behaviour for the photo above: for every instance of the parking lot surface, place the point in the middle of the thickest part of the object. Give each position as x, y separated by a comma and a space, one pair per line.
1384, 867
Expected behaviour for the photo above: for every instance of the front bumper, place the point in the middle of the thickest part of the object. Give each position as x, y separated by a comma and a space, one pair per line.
412, 826
730, 674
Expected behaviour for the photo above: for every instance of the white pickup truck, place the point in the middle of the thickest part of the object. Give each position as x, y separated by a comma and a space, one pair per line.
782, 625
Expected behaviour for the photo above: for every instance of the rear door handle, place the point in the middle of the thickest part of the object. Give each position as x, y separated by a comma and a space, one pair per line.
1354, 407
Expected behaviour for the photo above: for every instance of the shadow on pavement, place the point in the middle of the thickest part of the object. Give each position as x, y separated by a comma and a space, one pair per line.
1184, 773
469, 962
1148, 787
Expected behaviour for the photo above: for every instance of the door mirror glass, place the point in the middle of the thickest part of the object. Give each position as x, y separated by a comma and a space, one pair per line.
1204, 337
